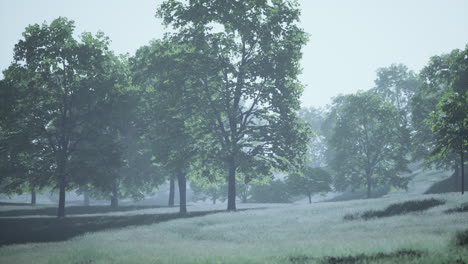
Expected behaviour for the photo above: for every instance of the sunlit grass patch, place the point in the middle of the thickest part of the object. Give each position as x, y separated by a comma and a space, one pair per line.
397, 209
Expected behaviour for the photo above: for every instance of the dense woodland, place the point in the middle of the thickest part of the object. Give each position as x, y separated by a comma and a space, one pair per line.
214, 106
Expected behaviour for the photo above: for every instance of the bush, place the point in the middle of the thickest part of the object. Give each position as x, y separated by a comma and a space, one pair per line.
275, 192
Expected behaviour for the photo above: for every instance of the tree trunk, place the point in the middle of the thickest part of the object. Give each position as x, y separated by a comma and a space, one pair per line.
182, 181
244, 199
214, 197
115, 194
62, 187
310, 198
232, 185
456, 177
86, 197
462, 164
171, 193
33, 197
368, 187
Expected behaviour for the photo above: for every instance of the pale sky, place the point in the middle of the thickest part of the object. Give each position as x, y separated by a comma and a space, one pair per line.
349, 39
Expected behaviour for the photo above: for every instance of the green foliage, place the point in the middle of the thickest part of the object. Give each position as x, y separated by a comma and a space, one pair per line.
57, 84
309, 181
212, 191
450, 124
366, 141
276, 191
159, 71
70, 116
245, 81
439, 99
398, 85
316, 119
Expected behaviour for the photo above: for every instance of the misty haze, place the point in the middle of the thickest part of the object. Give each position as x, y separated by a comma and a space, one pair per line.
233, 131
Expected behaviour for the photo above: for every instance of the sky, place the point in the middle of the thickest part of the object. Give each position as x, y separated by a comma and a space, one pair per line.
349, 39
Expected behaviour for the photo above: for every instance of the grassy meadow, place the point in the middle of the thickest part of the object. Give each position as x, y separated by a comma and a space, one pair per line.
289, 233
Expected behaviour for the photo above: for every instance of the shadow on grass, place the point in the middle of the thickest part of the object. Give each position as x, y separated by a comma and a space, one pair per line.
15, 204
462, 209
25, 230
461, 238
74, 210
397, 209
393, 257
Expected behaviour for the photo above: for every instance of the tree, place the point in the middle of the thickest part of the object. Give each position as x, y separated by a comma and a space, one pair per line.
170, 202
244, 65
435, 105
365, 140
315, 118
398, 85
65, 80
23, 161
160, 71
450, 126
204, 190
449, 122
309, 181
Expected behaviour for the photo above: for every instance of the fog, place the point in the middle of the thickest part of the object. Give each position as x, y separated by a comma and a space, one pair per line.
253, 131
349, 39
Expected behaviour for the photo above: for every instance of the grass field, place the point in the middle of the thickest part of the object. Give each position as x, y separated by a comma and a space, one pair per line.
287, 233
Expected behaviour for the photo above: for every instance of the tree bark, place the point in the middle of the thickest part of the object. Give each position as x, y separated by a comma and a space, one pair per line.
214, 197
171, 193
310, 198
462, 165
368, 187
62, 186
182, 181
33, 197
86, 197
115, 194
456, 177
231, 185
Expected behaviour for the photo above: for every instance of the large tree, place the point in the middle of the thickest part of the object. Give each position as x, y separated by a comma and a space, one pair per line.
450, 126
397, 84
163, 72
365, 140
245, 63
24, 163
65, 80
443, 86
449, 121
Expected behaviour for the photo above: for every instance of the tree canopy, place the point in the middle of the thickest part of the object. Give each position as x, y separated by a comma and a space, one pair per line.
365, 140
246, 56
